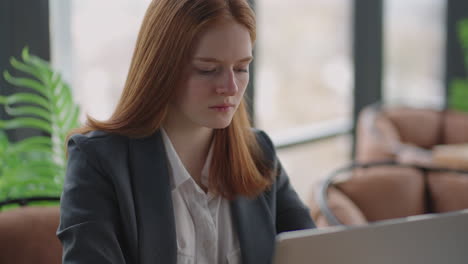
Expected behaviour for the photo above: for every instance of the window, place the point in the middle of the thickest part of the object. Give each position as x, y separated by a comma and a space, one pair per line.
308, 163
103, 35
414, 52
303, 83
304, 68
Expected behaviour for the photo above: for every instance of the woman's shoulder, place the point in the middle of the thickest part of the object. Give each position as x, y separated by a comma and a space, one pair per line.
267, 148
99, 142
264, 140
97, 136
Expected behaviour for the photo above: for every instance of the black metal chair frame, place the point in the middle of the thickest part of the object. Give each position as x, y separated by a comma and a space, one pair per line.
27, 200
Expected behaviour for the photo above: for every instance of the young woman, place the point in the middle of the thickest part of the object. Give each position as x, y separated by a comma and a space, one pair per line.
177, 174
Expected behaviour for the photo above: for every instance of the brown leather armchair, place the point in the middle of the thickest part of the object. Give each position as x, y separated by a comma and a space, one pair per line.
412, 135
405, 165
363, 193
27, 235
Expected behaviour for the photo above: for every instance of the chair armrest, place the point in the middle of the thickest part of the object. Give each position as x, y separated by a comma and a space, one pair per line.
339, 210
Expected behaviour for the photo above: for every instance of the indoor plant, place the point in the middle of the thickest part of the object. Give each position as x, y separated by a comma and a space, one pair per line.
458, 96
35, 166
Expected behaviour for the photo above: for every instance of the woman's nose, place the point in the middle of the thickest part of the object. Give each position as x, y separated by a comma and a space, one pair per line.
227, 85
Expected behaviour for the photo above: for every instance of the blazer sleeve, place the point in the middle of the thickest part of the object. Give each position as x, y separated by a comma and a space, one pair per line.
291, 213
88, 211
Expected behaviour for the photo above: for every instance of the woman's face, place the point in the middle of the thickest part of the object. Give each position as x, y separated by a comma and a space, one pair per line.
216, 77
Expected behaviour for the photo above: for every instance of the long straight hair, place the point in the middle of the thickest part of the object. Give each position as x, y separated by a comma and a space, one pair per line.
163, 49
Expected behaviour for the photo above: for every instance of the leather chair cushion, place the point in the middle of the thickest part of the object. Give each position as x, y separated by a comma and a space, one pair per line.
27, 235
456, 127
420, 127
341, 206
376, 135
449, 191
386, 192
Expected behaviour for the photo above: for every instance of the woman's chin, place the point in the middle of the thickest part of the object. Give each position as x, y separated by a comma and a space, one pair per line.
219, 124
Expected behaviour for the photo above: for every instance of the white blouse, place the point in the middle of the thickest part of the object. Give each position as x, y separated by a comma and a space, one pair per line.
204, 226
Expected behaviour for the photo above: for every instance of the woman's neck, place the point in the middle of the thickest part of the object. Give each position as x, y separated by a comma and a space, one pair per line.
192, 146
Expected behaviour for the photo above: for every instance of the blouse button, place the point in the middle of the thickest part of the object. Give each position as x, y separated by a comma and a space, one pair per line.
182, 244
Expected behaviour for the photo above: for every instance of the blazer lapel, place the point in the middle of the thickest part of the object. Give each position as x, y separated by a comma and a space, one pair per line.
153, 201
255, 229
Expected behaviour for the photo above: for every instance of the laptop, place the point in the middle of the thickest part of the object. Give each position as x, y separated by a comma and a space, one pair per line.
424, 239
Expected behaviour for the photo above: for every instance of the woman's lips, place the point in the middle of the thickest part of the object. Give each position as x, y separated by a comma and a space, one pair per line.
222, 108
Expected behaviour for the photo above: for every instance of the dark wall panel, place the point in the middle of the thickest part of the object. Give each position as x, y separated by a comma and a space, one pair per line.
454, 64
22, 23
367, 54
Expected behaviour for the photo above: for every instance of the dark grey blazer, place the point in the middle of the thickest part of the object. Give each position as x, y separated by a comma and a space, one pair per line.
116, 205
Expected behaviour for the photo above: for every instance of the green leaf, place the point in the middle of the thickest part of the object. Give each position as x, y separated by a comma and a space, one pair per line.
26, 83
35, 155
19, 98
64, 91
463, 37
36, 165
27, 69
42, 66
458, 97
33, 186
25, 53
28, 110
47, 173
42, 168
39, 140
35, 204
26, 122
38, 143
72, 120
4, 144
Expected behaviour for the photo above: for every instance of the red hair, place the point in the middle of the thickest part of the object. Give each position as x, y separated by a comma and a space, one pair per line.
165, 41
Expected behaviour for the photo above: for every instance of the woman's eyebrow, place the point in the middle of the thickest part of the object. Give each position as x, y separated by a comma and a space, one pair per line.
207, 59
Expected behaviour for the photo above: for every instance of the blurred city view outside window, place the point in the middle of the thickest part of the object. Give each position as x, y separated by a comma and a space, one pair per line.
414, 45
103, 37
303, 65
303, 62
304, 76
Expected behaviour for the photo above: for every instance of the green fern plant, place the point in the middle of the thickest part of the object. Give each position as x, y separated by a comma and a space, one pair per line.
458, 96
36, 165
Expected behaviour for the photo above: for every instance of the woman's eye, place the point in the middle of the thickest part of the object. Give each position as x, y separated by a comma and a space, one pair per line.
242, 70
206, 71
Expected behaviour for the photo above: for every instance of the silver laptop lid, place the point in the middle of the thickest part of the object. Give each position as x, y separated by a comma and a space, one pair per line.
428, 239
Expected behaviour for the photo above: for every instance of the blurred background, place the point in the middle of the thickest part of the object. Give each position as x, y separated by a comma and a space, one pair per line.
318, 63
